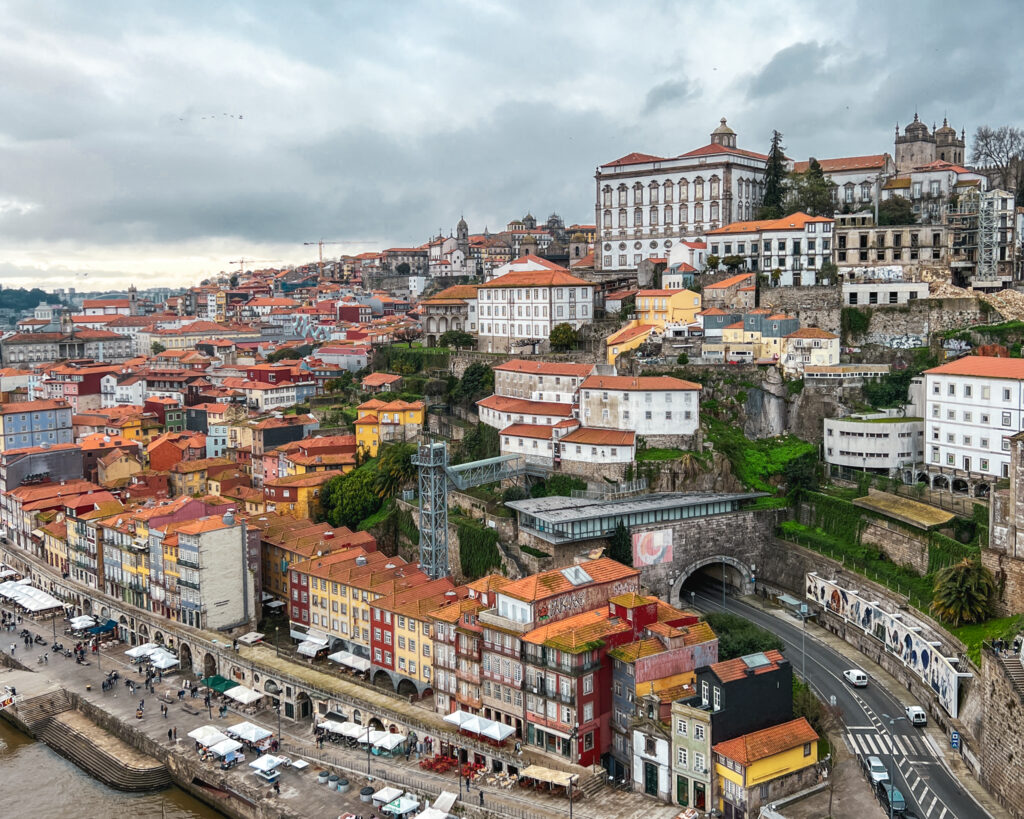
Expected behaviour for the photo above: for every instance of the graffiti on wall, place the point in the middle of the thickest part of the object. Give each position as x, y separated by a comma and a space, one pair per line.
652, 548
901, 634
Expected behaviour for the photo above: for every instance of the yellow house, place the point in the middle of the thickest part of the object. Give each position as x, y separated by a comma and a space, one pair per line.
407, 616
190, 478
55, 544
117, 467
628, 338
758, 768
141, 427
661, 307
380, 422
297, 496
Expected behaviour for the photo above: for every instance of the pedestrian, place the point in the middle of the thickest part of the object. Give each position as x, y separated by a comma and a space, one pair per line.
170, 735
481, 799
13, 646
142, 704
277, 789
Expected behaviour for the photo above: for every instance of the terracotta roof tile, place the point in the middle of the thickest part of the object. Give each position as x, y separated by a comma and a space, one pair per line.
631, 383
750, 748
982, 366
553, 582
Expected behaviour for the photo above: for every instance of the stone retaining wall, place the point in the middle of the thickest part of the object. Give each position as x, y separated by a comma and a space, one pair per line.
904, 548
1002, 752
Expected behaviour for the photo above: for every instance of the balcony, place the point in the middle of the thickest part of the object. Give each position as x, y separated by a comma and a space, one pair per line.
188, 584
551, 694
467, 675
188, 562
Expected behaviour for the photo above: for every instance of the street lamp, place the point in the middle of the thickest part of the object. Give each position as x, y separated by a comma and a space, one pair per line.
804, 614
572, 777
892, 755
367, 747
277, 640
277, 707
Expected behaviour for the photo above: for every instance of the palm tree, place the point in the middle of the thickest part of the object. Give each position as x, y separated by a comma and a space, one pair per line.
394, 469
963, 593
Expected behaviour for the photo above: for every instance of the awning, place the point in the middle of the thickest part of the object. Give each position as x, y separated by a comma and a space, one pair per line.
206, 735
389, 741
445, 801
374, 737
498, 731
110, 625
247, 732
309, 648
473, 724
353, 730
143, 650
243, 694
350, 659
267, 762
459, 718
218, 683
275, 604
385, 795
28, 596
547, 775
163, 659
251, 638
401, 806
225, 747
83, 621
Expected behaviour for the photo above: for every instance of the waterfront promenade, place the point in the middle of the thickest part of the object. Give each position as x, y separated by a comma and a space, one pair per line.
300, 794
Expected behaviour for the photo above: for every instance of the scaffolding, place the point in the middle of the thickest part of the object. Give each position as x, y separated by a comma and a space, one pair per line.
432, 460
975, 224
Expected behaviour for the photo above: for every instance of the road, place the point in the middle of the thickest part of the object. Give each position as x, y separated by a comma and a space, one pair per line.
915, 763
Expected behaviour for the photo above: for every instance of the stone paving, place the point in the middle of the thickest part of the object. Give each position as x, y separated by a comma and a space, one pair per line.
299, 790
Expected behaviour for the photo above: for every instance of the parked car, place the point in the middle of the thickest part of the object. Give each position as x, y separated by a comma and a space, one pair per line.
916, 715
889, 795
856, 677
877, 771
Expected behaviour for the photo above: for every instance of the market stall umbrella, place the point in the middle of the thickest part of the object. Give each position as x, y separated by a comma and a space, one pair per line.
389, 742
543, 774
333, 726
206, 735
225, 747
247, 732
402, 806
350, 659
374, 737
82, 621
142, 651
459, 718
497, 731
388, 794
267, 762
353, 730
163, 659
243, 694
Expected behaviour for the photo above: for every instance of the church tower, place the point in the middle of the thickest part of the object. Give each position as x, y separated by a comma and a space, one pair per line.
724, 135
915, 147
948, 146
462, 237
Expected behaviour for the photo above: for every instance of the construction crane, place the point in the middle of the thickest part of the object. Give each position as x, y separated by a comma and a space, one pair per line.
321, 244
243, 262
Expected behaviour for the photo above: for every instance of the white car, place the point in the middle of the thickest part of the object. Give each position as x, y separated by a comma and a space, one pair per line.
856, 677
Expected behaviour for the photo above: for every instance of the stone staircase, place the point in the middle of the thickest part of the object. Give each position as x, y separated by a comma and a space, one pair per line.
128, 770
592, 783
1014, 669
35, 711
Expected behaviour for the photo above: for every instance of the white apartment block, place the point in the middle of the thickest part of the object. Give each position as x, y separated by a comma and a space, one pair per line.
883, 442
646, 204
858, 294
973, 406
540, 380
647, 405
525, 306
795, 245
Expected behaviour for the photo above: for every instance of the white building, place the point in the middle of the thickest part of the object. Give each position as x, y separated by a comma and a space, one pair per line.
796, 245
808, 347
857, 179
887, 443
646, 204
568, 443
499, 411
525, 306
861, 293
651, 760
540, 380
647, 405
972, 407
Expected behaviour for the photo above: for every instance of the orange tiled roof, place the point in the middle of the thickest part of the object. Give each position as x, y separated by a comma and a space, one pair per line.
844, 163
380, 379
795, 221
628, 382
629, 333
768, 742
982, 366
553, 582
542, 431
600, 437
736, 669
732, 281
811, 332
546, 368
581, 632
34, 406
502, 403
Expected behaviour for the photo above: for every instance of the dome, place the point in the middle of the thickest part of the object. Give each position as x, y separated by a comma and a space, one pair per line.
578, 237
916, 128
462, 224
723, 129
945, 129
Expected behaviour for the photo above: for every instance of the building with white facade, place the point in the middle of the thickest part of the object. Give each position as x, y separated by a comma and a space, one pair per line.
796, 246
540, 380
646, 204
521, 308
973, 406
857, 179
499, 411
860, 293
808, 347
886, 443
652, 406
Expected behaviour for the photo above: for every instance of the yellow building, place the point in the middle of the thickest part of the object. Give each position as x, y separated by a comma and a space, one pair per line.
142, 427
763, 766
379, 422
55, 544
626, 339
116, 468
297, 496
661, 307
191, 478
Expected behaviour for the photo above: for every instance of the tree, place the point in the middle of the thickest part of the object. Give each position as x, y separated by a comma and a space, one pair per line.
829, 272
1002, 148
403, 269
482, 441
738, 637
456, 339
18, 298
811, 192
964, 593
476, 382
407, 335
733, 263
233, 281
349, 499
620, 545
682, 358
712, 263
562, 337
289, 353
773, 201
896, 210
394, 469
156, 347
801, 474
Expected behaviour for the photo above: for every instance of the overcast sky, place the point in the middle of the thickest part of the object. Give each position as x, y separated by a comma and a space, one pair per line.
155, 142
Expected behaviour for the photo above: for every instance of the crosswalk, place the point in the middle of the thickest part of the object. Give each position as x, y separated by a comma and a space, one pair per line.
876, 744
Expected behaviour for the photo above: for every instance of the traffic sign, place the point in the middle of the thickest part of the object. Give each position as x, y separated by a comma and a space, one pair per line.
954, 740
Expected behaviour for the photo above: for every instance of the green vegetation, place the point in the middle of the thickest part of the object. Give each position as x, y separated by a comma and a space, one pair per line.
394, 469
659, 454
478, 548
155, 348
476, 382
534, 552
964, 593
774, 196
854, 321
482, 441
975, 635
896, 210
18, 298
811, 191
682, 358
738, 637
620, 545
891, 389
457, 339
557, 485
795, 386
347, 500
755, 463
563, 337
289, 353
406, 360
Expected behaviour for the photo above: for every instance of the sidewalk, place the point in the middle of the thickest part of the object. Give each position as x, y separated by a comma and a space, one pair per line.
938, 740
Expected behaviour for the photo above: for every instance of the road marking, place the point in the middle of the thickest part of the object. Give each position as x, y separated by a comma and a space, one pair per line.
896, 740
924, 791
867, 740
944, 812
931, 807
916, 782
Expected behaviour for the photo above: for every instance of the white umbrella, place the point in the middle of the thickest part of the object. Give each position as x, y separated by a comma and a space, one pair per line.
497, 731
207, 735
458, 718
266, 763
83, 621
248, 732
474, 725
375, 736
163, 659
389, 742
243, 694
225, 747
353, 730
142, 651
332, 726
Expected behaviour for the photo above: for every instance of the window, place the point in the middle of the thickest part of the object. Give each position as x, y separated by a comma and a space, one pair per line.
698, 731
967, 390
681, 727
649, 746
682, 757
718, 698
807, 749
1006, 394
1006, 419
588, 684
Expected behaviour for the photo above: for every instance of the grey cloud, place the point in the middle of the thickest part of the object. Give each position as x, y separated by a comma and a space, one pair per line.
670, 92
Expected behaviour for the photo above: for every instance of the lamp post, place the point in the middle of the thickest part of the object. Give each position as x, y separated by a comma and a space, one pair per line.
277, 640
723, 583
804, 614
572, 779
367, 747
277, 707
892, 755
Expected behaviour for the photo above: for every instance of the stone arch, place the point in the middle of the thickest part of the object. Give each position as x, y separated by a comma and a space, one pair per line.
357, 716
185, 658
961, 486
271, 687
375, 724
431, 340
940, 482
381, 679
745, 574
922, 477
981, 490
209, 665
442, 325
144, 632
104, 612
158, 637
303, 705
87, 606
407, 687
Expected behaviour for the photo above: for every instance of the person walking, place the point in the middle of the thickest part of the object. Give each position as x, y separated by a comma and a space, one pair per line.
481, 799
13, 646
170, 735
175, 733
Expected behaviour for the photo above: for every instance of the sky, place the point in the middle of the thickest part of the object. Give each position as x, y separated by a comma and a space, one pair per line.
155, 143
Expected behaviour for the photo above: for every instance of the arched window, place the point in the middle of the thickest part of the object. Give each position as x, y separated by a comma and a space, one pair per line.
653, 215
607, 218
698, 189
653, 193
622, 217
638, 194
606, 196
715, 187
667, 190
747, 209
684, 189
638, 217
682, 215
668, 214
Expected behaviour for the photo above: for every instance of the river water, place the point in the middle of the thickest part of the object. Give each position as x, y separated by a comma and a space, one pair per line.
38, 782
